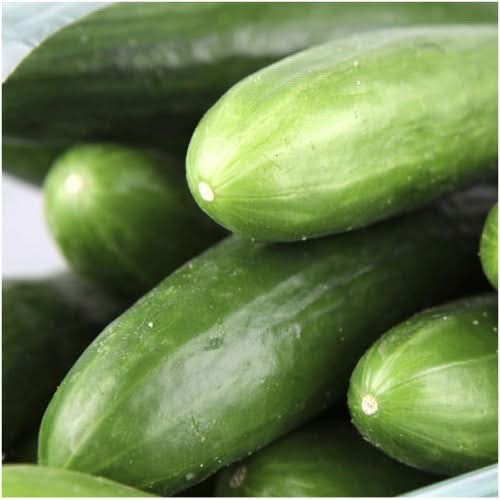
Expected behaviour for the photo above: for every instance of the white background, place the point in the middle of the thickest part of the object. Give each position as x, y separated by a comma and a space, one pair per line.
27, 248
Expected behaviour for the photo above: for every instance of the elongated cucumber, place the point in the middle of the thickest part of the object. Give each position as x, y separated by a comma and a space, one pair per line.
46, 325
145, 72
426, 393
38, 481
347, 133
323, 459
123, 217
244, 343
489, 247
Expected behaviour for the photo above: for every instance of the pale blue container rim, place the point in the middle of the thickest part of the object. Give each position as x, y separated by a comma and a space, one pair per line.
479, 483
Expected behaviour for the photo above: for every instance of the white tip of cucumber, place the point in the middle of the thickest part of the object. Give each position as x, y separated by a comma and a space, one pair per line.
206, 191
369, 405
73, 183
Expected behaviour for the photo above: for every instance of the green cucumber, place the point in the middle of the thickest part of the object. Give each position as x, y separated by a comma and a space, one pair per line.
38, 481
342, 135
122, 217
244, 343
30, 159
144, 73
323, 459
489, 247
46, 325
426, 393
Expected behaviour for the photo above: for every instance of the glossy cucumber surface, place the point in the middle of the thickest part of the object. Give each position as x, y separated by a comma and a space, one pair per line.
46, 325
426, 393
323, 459
38, 481
244, 343
123, 217
489, 247
144, 73
350, 132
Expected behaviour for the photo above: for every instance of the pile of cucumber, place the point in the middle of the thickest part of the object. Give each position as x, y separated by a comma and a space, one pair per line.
342, 341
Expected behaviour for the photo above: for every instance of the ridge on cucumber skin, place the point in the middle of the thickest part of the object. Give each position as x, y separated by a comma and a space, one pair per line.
413, 117
413, 393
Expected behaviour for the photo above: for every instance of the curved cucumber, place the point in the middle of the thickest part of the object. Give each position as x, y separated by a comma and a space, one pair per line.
242, 344
489, 247
350, 132
38, 481
46, 325
123, 218
426, 393
145, 73
323, 459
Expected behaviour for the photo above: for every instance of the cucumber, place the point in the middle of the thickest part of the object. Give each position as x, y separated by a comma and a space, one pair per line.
489, 247
30, 159
243, 344
426, 393
348, 133
323, 459
123, 218
47, 323
144, 73
37, 481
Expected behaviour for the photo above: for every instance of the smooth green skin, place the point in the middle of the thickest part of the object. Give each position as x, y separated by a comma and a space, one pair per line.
244, 343
145, 73
122, 217
46, 325
323, 459
38, 481
489, 247
345, 134
435, 380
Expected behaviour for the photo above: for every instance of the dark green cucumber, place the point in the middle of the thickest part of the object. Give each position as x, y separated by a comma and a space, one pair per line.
323, 459
350, 132
489, 247
38, 481
244, 343
122, 217
46, 325
30, 159
145, 73
426, 393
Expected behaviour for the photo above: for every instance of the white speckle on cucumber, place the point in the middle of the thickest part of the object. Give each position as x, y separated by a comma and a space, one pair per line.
206, 191
150, 324
369, 405
189, 476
